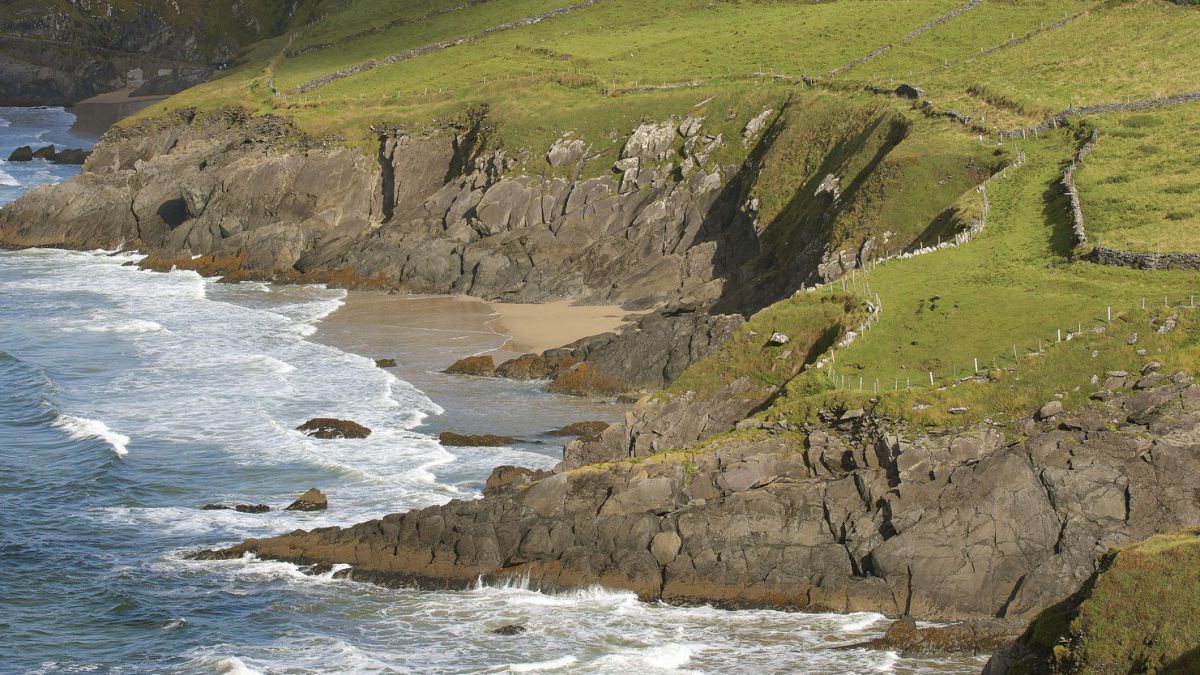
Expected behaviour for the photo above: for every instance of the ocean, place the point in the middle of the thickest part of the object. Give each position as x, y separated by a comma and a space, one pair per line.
129, 399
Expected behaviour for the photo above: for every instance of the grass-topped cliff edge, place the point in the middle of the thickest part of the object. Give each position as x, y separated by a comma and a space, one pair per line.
937, 404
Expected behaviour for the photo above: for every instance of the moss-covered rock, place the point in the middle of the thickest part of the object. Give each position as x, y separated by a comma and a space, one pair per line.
1137, 614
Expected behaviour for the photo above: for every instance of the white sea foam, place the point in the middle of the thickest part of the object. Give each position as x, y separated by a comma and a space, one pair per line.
131, 326
7, 180
861, 621
4, 123
888, 664
232, 665
535, 666
655, 658
81, 428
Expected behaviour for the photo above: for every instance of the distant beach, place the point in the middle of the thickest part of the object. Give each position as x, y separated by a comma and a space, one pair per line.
96, 115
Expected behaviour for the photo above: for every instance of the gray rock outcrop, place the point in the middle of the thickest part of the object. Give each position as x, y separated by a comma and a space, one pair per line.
856, 515
646, 355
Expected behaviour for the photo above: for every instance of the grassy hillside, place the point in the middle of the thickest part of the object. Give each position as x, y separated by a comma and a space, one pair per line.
989, 311
1141, 186
1136, 615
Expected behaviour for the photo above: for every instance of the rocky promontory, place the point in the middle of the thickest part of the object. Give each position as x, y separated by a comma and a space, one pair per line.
860, 514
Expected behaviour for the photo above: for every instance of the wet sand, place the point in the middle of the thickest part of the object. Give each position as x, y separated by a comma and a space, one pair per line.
96, 115
427, 334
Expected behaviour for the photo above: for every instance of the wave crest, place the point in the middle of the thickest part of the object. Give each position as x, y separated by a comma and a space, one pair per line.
82, 428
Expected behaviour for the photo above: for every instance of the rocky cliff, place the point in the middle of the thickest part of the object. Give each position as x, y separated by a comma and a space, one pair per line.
434, 212
855, 514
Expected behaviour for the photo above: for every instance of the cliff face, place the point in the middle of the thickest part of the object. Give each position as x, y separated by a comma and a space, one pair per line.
854, 515
60, 52
433, 213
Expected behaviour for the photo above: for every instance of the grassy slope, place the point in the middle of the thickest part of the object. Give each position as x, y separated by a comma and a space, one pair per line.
1007, 63
1137, 615
1141, 186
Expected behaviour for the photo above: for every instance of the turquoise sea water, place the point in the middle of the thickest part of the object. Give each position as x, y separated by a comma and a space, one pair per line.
129, 399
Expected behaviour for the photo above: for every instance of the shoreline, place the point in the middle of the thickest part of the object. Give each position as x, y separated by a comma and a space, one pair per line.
96, 115
426, 334
536, 327
523, 327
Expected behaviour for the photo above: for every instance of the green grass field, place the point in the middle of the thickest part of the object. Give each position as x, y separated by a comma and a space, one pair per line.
601, 70
1141, 186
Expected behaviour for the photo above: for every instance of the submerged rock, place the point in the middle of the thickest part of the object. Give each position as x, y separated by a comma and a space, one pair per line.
511, 629
313, 500
240, 508
449, 438
330, 428
969, 637
385, 363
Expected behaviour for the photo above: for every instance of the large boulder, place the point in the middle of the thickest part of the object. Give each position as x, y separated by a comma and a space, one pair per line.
75, 156
312, 500
650, 142
21, 154
590, 429
565, 152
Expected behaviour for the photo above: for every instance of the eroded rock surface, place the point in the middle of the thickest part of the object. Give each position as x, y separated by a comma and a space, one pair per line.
856, 515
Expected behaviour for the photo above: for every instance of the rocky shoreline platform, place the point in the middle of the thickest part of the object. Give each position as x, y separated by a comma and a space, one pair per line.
860, 514
692, 497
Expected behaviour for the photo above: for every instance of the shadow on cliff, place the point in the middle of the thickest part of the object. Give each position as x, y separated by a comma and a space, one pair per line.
795, 242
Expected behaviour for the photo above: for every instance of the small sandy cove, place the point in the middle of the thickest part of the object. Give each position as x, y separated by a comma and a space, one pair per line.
368, 321
536, 328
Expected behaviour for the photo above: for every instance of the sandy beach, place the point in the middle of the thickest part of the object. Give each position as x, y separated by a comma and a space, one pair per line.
95, 115
534, 328
425, 334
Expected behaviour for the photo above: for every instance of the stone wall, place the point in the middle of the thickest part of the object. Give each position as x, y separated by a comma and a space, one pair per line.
1145, 261
926, 27
1099, 109
1078, 228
